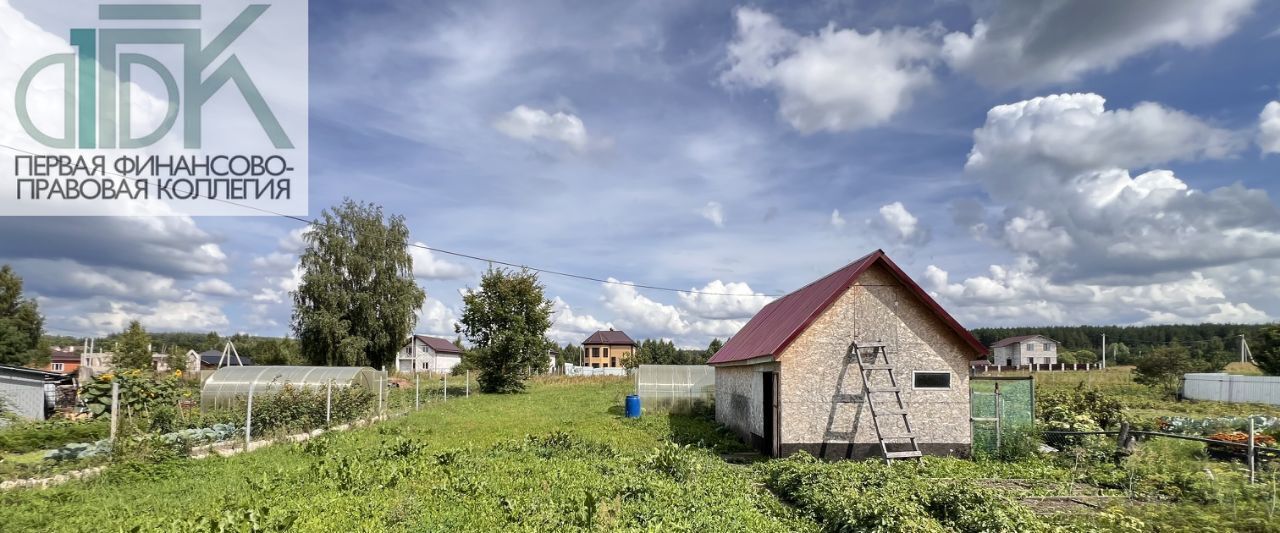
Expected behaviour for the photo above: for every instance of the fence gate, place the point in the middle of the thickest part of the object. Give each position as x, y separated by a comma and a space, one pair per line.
1000, 407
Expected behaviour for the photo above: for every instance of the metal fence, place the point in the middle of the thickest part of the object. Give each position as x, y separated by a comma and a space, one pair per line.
675, 388
1000, 407
574, 370
1229, 388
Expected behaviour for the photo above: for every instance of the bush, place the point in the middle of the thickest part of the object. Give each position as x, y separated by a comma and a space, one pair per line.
140, 391
26, 437
871, 496
293, 407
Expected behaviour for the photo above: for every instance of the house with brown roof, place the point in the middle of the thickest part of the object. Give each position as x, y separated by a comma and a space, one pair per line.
787, 381
428, 354
1025, 350
607, 349
63, 360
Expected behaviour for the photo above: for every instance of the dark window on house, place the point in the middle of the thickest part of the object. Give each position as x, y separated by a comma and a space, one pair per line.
595, 352
606, 351
613, 362
595, 365
932, 380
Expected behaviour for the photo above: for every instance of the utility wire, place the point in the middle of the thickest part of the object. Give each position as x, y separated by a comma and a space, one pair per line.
488, 260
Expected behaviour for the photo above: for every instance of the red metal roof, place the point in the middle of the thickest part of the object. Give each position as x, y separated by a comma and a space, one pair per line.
439, 345
774, 328
610, 337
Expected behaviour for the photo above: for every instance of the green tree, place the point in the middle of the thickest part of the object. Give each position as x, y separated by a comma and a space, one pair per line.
133, 350
1163, 367
176, 358
211, 342
713, 348
21, 326
357, 300
1267, 352
506, 321
571, 353
274, 352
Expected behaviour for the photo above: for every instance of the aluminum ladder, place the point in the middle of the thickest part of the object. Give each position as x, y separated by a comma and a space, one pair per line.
878, 351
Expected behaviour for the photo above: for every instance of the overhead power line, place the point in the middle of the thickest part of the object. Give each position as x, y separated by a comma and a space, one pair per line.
489, 260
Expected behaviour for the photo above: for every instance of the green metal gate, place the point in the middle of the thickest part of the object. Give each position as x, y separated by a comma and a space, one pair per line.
1000, 409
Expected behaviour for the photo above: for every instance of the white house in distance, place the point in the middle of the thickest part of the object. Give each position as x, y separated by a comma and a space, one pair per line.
428, 354
1025, 350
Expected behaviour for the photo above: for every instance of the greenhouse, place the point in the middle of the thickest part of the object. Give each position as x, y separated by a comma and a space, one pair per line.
230, 385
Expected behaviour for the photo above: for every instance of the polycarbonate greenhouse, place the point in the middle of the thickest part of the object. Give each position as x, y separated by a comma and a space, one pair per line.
229, 386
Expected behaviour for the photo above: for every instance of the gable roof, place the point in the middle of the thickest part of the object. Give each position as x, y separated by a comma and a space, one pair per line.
772, 329
438, 344
64, 356
1020, 338
213, 357
610, 337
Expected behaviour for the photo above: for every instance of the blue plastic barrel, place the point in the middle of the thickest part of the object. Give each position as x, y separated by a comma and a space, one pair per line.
633, 406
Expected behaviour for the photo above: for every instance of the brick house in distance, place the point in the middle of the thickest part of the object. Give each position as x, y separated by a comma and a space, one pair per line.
784, 382
1025, 350
607, 349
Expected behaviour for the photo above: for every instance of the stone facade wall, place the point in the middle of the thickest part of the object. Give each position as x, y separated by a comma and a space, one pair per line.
822, 406
740, 399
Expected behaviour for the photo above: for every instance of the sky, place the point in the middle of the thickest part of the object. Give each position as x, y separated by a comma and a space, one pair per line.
1028, 162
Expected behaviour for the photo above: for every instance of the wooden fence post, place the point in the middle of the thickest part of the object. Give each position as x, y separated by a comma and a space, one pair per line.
248, 420
115, 409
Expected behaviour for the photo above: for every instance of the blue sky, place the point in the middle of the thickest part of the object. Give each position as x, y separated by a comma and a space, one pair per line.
1040, 162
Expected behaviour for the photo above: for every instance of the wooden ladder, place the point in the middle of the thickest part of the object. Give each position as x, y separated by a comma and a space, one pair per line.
877, 352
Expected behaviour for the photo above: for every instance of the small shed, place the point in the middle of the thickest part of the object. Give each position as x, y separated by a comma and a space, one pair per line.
784, 382
28, 392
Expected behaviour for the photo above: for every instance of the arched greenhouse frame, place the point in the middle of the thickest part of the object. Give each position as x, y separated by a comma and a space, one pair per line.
230, 386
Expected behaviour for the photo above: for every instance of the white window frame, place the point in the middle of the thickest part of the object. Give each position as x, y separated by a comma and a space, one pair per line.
57, 367
951, 378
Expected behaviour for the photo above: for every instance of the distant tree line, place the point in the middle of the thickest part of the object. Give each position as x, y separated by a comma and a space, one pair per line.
1217, 344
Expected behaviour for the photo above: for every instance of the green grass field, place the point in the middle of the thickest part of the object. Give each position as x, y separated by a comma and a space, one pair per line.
561, 457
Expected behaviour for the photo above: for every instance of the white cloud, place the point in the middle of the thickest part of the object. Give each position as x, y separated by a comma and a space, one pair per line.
436, 318
637, 310
837, 221
531, 124
1038, 42
1018, 295
834, 80
426, 265
215, 287
711, 301
713, 212
1269, 128
572, 327
1059, 163
901, 224
112, 317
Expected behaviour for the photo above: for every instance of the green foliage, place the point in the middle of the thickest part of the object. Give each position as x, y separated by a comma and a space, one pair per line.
267, 351
303, 408
1266, 354
133, 350
25, 437
506, 320
140, 392
1163, 367
714, 347
571, 353
21, 326
871, 496
1079, 409
357, 300
664, 352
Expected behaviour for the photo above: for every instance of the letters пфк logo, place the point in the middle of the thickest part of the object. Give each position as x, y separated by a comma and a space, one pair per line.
91, 98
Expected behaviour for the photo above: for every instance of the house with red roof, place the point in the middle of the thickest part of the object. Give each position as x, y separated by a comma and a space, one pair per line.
428, 354
785, 382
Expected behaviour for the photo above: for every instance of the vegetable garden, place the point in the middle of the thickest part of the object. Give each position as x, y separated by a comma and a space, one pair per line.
561, 457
